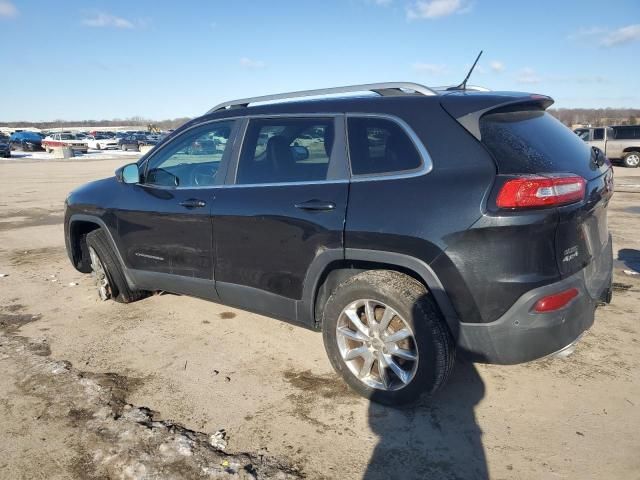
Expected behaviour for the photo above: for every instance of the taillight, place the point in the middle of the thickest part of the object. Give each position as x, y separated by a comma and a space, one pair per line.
555, 301
536, 191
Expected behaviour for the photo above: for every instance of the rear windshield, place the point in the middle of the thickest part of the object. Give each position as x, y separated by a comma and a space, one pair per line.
533, 141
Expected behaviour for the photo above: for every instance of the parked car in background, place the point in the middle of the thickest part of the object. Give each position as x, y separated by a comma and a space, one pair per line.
102, 142
26, 141
5, 149
618, 142
64, 139
423, 221
128, 142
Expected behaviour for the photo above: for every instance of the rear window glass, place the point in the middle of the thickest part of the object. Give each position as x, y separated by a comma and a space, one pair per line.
533, 141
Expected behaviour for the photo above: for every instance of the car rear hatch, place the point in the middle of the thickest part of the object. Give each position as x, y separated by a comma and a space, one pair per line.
527, 142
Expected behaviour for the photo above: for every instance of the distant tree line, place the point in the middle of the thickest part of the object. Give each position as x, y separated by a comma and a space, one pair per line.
142, 122
597, 117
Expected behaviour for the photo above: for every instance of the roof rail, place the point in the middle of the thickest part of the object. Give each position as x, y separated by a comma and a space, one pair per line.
385, 88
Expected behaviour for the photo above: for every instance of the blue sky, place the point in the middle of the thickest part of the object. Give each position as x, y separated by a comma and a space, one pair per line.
88, 59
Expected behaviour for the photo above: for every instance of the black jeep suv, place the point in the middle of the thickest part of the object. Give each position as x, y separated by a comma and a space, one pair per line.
405, 224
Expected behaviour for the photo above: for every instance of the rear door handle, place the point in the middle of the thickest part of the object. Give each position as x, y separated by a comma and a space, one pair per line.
317, 205
193, 203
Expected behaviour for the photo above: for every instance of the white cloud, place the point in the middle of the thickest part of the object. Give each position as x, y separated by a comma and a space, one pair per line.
437, 8
528, 76
8, 9
586, 32
606, 37
107, 20
497, 66
626, 34
429, 68
249, 63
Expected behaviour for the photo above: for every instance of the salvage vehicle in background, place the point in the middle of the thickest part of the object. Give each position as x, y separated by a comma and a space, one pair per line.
411, 224
26, 141
618, 142
102, 142
5, 149
64, 139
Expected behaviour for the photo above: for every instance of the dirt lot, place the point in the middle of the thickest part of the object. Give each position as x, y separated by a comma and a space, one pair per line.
94, 389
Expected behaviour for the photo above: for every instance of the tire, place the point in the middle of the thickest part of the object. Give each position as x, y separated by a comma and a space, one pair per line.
631, 159
118, 288
411, 306
98, 146
123, 147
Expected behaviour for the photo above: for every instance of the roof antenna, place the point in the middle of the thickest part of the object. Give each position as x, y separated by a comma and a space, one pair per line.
463, 85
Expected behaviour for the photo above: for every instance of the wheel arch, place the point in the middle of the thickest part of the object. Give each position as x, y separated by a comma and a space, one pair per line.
330, 269
632, 149
79, 226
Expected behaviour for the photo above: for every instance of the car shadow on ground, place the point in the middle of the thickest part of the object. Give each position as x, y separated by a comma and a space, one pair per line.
437, 438
630, 257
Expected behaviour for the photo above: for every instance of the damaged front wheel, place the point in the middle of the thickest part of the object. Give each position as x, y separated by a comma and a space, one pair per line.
107, 272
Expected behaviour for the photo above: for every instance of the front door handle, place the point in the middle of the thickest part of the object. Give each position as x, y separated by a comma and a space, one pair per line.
316, 205
193, 203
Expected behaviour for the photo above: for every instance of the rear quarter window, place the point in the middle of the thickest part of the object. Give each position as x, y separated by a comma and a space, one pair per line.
627, 133
380, 146
533, 141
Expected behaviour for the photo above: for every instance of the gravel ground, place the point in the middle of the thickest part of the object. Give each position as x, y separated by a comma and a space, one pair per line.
96, 389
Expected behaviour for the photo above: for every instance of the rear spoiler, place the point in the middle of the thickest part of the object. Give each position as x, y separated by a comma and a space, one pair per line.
468, 111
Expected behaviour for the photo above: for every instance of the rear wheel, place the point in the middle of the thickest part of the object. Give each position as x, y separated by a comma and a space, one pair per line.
631, 159
385, 336
107, 272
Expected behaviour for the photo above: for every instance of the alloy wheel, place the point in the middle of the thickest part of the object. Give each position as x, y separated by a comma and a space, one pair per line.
99, 275
377, 345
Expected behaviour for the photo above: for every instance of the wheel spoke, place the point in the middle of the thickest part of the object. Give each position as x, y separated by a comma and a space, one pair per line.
356, 352
402, 353
365, 370
397, 336
397, 369
369, 311
382, 370
351, 335
386, 319
355, 320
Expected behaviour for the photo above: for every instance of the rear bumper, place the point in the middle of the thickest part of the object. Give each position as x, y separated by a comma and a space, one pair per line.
520, 335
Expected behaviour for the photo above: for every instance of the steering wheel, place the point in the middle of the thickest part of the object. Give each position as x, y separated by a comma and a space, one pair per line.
203, 176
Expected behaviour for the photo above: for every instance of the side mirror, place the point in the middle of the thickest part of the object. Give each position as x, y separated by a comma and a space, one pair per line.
129, 173
300, 153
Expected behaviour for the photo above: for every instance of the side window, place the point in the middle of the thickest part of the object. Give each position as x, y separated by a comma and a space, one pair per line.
584, 135
598, 133
286, 150
379, 145
192, 159
627, 133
